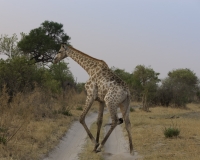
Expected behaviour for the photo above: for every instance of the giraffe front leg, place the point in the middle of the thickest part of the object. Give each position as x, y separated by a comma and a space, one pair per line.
99, 123
88, 105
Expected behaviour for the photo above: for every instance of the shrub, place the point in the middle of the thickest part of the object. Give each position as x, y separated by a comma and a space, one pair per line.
2, 140
171, 132
79, 108
132, 109
67, 113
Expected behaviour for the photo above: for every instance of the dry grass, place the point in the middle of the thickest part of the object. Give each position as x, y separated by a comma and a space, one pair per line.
150, 142
33, 123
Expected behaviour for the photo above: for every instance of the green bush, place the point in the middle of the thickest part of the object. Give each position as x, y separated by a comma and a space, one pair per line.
79, 108
2, 140
132, 109
19, 74
67, 113
171, 132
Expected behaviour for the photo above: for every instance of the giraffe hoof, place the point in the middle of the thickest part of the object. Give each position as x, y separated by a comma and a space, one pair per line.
97, 151
96, 146
132, 152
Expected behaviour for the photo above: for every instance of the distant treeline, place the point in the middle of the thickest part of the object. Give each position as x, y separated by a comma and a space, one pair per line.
29, 65
180, 87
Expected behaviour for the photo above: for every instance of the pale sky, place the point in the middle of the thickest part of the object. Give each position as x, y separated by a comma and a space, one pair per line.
163, 34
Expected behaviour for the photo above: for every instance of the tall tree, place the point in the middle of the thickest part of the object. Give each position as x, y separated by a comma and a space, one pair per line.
185, 86
122, 74
128, 78
62, 74
42, 43
8, 45
145, 79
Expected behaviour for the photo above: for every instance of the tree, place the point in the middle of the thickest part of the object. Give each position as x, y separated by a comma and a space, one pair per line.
61, 73
42, 43
185, 86
17, 75
165, 92
125, 76
145, 80
198, 93
8, 45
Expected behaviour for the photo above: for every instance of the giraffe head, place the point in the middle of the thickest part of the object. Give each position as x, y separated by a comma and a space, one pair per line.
61, 53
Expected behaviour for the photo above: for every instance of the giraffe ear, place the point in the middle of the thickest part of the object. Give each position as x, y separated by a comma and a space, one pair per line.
64, 45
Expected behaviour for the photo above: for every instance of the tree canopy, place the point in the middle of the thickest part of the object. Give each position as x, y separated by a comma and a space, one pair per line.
8, 45
42, 43
145, 82
179, 88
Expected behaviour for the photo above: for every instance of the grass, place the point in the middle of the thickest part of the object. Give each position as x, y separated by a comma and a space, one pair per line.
150, 142
2, 140
67, 113
80, 108
32, 124
132, 109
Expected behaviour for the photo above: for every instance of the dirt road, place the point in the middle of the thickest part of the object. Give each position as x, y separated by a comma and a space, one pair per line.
72, 143
116, 147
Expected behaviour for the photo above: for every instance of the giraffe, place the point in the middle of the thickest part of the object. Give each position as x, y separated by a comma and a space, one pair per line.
106, 88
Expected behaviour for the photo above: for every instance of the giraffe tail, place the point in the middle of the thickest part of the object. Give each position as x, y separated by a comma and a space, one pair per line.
126, 113
120, 121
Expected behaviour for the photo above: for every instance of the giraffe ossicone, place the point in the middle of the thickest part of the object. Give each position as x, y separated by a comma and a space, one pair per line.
106, 88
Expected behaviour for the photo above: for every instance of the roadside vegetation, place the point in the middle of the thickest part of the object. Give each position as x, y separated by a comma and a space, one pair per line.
152, 132
39, 100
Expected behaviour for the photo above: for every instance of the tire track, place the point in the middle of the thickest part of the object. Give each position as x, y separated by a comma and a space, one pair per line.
71, 144
117, 147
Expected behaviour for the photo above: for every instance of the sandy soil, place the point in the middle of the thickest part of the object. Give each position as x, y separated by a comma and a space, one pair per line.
117, 147
72, 143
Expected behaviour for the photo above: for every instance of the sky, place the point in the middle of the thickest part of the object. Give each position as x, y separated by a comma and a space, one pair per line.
161, 34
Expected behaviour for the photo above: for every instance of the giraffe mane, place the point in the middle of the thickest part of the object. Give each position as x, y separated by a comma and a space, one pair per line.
88, 55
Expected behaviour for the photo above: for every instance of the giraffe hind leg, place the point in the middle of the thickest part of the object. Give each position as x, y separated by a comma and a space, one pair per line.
128, 129
113, 113
125, 109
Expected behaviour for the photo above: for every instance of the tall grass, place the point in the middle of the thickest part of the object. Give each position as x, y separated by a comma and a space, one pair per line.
150, 142
32, 122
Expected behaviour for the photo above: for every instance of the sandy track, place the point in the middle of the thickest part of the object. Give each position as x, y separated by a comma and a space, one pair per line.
72, 143
117, 147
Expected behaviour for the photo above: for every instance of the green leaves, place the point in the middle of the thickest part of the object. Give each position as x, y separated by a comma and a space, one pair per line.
171, 132
179, 88
19, 75
145, 82
8, 45
42, 43
185, 76
61, 73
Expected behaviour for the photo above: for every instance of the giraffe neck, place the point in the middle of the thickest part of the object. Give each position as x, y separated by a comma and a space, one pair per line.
87, 62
